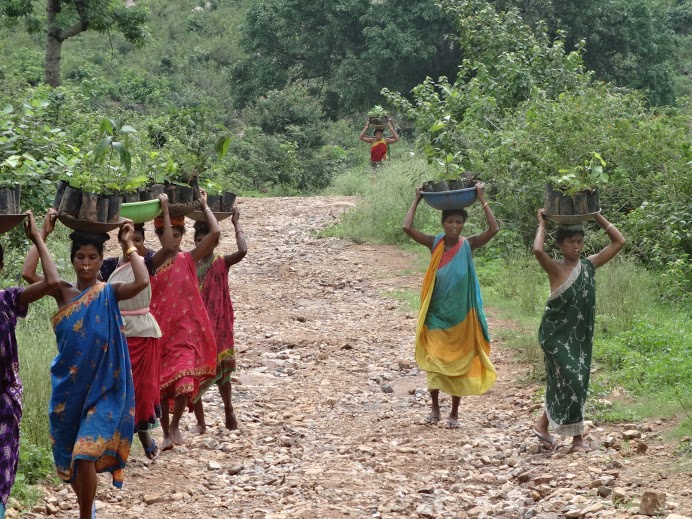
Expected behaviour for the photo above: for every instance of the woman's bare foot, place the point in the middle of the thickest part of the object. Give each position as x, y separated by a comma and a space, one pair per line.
579, 445
167, 444
231, 422
176, 437
433, 417
453, 422
200, 429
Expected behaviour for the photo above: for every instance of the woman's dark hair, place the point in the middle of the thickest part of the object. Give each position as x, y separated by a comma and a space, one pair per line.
381, 130
564, 232
139, 229
454, 212
201, 228
81, 239
180, 228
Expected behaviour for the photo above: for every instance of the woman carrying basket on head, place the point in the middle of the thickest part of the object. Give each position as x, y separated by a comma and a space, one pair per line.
452, 340
92, 406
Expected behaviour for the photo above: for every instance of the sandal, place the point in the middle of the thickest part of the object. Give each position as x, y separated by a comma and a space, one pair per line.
152, 452
547, 441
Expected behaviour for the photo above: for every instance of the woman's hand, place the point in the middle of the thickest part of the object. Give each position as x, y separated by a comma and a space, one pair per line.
163, 198
235, 217
127, 234
541, 216
30, 227
203, 198
49, 222
419, 196
480, 189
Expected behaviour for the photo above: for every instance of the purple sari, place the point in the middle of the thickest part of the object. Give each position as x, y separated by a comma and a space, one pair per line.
10, 391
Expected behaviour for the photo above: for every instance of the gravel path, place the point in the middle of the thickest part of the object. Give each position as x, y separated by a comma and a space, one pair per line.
331, 408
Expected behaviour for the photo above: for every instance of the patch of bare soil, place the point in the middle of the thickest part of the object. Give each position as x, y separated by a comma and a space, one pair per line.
331, 408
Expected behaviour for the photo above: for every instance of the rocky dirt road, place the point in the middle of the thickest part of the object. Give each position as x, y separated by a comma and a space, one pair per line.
331, 409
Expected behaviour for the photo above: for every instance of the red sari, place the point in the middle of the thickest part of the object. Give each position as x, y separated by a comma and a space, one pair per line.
142, 333
213, 286
188, 348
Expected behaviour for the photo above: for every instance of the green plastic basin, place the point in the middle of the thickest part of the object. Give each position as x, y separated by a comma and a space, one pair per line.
140, 212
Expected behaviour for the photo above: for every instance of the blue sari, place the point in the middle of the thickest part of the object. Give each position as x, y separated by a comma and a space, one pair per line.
92, 405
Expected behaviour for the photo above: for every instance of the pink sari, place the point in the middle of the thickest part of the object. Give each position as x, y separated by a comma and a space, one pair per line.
213, 285
188, 348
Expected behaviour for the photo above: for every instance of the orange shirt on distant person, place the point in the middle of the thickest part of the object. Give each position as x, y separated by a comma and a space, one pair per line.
378, 151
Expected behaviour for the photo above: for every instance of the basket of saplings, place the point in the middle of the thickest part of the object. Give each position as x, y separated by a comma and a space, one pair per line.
87, 206
450, 194
219, 200
182, 192
89, 197
10, 197
378, 118
571, 197
183, 188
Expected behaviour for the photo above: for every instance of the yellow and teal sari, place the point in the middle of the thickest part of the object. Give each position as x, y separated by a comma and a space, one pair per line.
92, 405
452, 340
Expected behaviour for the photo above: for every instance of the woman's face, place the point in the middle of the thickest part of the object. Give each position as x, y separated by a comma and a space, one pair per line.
138, 241
177, 237
453, 225
571, 247
87, 262
199, 236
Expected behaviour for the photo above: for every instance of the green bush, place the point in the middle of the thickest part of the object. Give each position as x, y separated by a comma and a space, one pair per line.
388, 193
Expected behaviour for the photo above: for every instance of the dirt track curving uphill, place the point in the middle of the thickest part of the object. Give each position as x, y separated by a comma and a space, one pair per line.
331, 408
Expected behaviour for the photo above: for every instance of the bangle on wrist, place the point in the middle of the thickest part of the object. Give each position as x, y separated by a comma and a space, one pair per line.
541, 229
208, 209
239, 232
609, 226
167, 226
485, 205
130, 250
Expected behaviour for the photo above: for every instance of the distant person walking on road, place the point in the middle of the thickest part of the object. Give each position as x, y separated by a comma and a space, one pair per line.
566, 331
379, 144
452, 340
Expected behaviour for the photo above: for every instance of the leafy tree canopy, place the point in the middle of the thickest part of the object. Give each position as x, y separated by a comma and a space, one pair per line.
629, 43
343, 50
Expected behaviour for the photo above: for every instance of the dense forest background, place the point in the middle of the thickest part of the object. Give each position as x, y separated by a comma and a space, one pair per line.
516, 90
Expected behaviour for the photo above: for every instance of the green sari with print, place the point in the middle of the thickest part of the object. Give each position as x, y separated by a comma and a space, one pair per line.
566, 337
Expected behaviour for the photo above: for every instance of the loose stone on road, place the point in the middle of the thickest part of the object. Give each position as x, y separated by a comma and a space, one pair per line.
331, 408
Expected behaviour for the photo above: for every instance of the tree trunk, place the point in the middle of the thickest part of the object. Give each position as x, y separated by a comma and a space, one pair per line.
53, 45
54, 38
